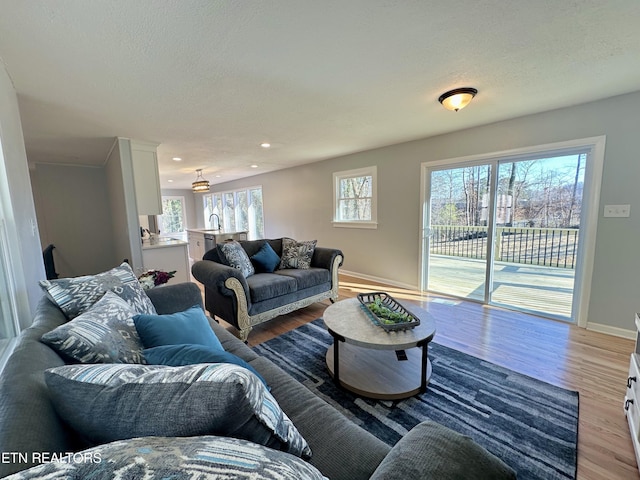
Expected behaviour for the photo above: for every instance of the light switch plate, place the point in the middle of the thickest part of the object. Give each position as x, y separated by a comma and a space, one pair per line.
617, 210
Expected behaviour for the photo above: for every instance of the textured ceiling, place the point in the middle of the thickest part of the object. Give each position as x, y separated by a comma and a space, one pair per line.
211, 80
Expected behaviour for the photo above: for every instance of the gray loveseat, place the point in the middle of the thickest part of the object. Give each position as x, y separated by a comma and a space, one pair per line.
341, 450
247, 301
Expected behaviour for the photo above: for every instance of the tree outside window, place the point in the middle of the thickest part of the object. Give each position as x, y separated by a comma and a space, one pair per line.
355, 198
172, 219
238, 211
255, 213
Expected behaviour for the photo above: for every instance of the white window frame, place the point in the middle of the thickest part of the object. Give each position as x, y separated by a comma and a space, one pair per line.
359, 172
184, 212
253, 234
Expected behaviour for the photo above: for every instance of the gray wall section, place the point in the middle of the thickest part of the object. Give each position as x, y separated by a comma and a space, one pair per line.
117, 205
78, 220
298, 201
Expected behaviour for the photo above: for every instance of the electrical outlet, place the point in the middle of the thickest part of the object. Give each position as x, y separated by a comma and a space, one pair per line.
617, 210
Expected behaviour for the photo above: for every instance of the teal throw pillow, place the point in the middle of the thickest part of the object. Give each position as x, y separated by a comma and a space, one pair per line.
265, 259
190, 326
189, 354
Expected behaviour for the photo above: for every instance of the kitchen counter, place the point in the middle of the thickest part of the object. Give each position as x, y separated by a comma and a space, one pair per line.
211, 231
162, 243
167, 254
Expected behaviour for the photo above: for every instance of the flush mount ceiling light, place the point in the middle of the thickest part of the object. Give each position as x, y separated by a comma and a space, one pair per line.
458, 98
200, 185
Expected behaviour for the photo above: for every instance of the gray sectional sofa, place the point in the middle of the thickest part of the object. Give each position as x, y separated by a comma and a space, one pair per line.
30, 429
245, 301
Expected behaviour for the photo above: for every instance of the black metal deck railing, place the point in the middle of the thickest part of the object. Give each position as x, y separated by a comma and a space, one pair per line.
552, 247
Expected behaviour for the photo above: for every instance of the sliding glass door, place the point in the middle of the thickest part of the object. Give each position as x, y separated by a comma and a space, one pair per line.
506, 231
538, 207
458, 230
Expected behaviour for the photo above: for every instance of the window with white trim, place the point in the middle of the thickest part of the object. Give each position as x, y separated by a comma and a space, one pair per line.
8, 310
236, 211
172, 219
355, 198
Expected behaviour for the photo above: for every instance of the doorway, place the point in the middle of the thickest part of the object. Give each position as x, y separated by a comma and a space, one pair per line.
510, 229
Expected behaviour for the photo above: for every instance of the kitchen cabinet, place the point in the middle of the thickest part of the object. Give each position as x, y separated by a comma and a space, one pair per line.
203, 240
167, 254
146, 178
223, 237
196, 244
632, 397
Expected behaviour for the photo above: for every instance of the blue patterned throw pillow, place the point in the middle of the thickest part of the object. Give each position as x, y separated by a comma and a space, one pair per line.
161, 458
232, 254
134, 295
104, 403
297, 254
105, 333
77, 294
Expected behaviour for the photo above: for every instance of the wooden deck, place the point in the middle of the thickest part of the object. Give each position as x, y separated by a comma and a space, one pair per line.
543, 290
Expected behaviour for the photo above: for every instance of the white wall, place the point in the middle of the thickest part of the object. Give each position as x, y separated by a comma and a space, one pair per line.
17, 204
298, 201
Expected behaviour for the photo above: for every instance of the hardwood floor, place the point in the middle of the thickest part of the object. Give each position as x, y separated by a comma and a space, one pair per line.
592, 363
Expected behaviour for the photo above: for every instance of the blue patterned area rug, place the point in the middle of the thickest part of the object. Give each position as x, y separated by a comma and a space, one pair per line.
531, 425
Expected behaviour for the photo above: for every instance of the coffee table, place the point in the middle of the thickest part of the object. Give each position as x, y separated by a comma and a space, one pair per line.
373, 363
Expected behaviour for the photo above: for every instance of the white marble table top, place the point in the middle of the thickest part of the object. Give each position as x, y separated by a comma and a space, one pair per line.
347, 319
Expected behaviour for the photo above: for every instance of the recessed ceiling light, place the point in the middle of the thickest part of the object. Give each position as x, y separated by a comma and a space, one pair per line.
177, 159
170, 181
218, 176
254, 166
265, 145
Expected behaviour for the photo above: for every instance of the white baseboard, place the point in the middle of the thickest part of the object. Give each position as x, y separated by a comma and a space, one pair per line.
385, 281
609, 330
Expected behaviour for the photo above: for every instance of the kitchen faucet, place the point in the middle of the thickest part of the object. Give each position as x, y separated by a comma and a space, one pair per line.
217, 223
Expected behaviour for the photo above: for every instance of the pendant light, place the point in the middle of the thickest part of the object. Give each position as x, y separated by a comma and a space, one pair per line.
200, 185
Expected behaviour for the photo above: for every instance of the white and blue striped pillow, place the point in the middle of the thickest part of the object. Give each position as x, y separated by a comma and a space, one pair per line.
159, 458
75, 295
112, 402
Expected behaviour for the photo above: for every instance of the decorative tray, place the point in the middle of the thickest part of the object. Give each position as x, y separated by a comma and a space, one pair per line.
386, 312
